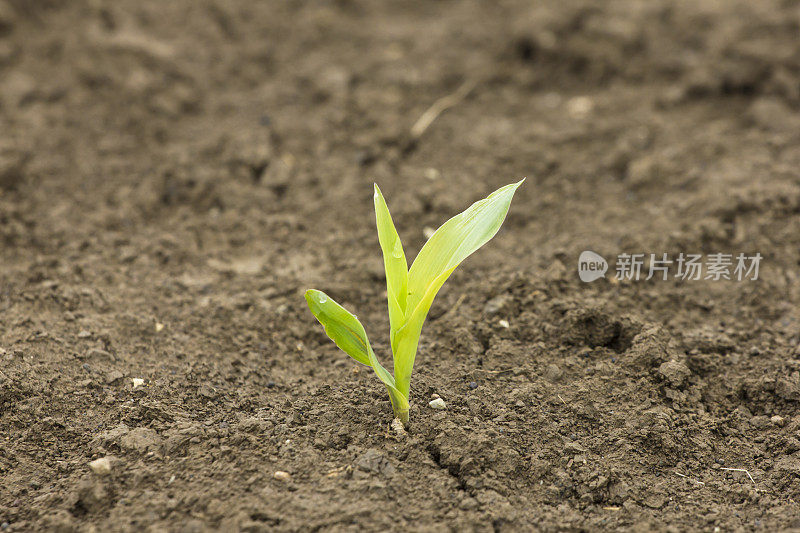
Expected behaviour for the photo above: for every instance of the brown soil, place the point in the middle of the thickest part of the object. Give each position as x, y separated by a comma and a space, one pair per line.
173, 176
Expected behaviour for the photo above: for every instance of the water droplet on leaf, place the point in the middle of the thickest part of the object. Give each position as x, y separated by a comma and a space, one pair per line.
397, 252
323, 298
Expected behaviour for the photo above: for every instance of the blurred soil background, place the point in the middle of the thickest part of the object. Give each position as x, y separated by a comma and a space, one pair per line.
173, 176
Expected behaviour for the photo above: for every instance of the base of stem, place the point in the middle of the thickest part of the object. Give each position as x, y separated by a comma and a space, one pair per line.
402, 416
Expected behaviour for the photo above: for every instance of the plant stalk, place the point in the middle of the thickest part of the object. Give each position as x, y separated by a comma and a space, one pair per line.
400, 406
401, 414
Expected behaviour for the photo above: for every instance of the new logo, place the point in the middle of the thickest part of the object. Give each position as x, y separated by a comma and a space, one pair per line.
591, 266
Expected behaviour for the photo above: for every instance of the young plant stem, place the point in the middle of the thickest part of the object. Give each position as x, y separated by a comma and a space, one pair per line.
410, 292
400, 405
401, 413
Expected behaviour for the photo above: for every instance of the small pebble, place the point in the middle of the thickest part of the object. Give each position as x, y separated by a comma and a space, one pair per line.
428, 232
778, 420
473, 385
101, 466
432, 174
438, 403
159, 327
504, 324
434, 396
137, 382
580, 106
280, 475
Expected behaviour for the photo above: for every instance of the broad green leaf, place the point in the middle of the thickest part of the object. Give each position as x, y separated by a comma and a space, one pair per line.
346, 331
453, 242
394, 263
340, 325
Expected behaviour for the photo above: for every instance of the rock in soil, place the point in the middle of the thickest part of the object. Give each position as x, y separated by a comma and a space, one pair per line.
102, 466
437, 403
280, 475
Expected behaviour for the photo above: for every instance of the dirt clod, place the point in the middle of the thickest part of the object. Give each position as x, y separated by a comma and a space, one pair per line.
675, 372
374, 462
140, 440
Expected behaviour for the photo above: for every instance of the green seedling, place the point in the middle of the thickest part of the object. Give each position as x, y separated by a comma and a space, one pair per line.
411, 291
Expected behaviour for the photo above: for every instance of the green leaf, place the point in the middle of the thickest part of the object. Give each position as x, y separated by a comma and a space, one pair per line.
394, 263
453, 242
346, 331
456, 239
340, 325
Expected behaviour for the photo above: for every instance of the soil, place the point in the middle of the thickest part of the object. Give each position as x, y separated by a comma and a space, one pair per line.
174, 175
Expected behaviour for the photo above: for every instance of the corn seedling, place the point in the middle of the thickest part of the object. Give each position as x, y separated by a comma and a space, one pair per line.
411, 291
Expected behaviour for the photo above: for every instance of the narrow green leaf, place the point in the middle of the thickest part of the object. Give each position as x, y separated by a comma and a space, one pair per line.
453, 242
347, 332
394, 263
